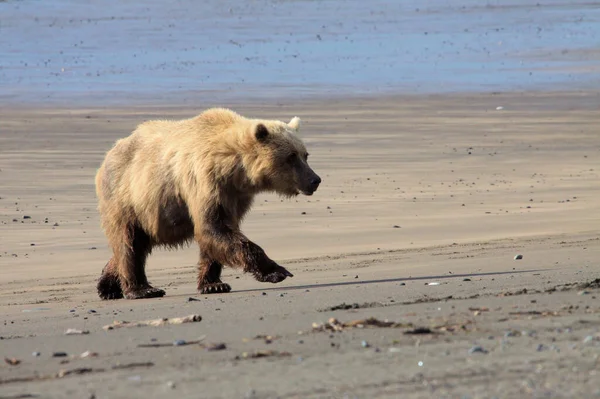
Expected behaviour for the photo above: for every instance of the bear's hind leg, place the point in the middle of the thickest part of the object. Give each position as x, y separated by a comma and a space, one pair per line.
135, 250
109, 285
209, 277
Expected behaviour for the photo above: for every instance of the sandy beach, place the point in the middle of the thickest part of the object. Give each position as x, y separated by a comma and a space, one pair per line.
416, 190
451, 250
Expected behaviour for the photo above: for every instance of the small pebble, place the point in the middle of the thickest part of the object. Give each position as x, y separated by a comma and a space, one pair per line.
511, 334
477, 349
402, 283
365, 344
396, 226
179, 342
435, 283
171, 384
584, 292
300, 341
36, 354
518, 257
540, 347
264, 293
216, 347
466, 279
59, 354
588, 339
420, 364
91, 311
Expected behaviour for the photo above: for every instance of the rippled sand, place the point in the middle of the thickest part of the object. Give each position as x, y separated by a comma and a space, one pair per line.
416, 190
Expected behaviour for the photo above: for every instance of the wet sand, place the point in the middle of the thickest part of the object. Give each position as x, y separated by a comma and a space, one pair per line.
417, 189
450, 137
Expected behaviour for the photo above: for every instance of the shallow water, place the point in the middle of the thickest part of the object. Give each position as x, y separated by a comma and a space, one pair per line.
158, 51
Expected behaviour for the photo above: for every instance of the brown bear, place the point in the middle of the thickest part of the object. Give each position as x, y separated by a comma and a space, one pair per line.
171, 182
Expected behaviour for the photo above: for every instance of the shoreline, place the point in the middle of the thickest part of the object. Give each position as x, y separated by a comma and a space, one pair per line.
183, 102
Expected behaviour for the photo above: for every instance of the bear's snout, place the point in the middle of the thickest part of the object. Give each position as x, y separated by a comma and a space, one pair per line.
311, 183
314, 183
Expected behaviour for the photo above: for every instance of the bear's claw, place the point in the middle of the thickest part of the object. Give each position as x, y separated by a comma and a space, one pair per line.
146, 292
276, 276
214, 288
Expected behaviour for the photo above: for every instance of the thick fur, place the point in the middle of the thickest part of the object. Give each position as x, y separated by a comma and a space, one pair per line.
173, 182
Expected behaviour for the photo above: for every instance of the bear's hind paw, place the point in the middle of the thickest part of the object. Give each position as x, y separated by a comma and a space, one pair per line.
214, 288
109, 287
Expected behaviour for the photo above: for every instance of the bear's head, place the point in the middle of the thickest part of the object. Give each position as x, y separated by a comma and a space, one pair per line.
282, 162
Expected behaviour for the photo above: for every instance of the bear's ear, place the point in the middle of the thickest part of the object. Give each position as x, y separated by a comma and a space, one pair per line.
294, 123
261, 133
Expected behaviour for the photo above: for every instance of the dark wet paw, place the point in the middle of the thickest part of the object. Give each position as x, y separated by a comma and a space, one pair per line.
276, 276
147, 292
109, 287
214, 288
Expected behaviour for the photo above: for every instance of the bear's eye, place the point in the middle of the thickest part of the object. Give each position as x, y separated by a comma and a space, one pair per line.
292, 158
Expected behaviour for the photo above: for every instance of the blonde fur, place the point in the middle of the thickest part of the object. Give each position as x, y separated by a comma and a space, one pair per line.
164, 168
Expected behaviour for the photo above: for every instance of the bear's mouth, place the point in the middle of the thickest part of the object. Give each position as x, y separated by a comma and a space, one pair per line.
306, 192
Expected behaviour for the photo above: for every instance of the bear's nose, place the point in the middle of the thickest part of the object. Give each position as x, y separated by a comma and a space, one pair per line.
315, 181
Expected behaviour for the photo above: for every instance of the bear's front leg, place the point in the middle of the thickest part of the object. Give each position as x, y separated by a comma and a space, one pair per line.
233, 248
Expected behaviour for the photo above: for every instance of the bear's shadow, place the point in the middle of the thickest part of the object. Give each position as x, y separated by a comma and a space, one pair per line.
390, 280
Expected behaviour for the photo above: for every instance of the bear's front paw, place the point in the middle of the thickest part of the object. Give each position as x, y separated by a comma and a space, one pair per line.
144, 292
276, 276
